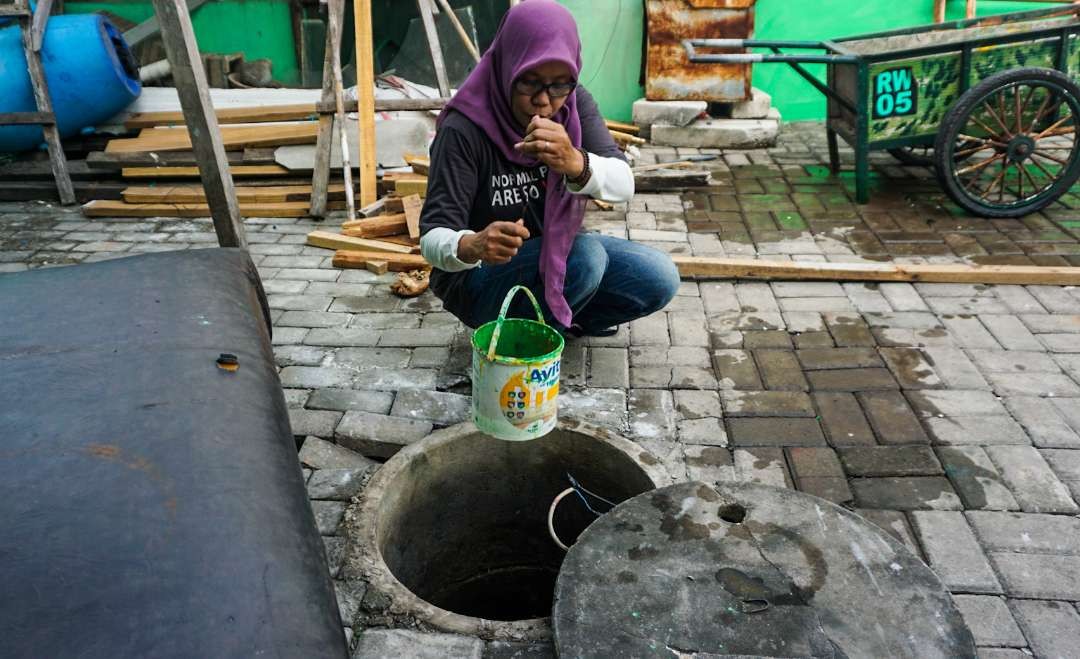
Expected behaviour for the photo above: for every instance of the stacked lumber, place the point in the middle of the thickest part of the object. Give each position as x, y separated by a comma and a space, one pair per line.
157, 158
176, 138
387, 237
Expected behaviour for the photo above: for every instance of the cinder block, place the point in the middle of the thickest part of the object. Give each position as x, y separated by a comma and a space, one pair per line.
756, 108
721, 133
673, 113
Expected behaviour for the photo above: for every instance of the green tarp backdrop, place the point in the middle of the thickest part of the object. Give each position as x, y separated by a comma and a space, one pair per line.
611, 31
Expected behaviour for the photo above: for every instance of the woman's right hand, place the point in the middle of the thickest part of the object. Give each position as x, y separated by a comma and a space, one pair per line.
495, 245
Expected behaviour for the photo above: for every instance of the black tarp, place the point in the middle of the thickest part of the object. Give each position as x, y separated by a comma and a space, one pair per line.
151, 502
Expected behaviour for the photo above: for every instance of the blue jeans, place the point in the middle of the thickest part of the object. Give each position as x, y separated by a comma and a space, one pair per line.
609, 281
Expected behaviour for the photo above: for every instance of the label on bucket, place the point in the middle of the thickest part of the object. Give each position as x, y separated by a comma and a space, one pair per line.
518, 401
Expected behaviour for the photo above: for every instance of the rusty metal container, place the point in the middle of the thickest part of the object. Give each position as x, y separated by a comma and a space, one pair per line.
669, 75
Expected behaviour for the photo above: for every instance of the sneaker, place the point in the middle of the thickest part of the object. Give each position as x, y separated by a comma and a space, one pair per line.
577, 331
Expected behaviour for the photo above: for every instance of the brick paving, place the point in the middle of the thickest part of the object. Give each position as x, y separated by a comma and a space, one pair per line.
947, 414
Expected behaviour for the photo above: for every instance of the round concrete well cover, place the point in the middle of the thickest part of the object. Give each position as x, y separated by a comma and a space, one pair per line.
743, 569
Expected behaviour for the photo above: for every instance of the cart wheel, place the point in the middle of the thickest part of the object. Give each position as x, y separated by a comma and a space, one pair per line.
1009, 146
916, 156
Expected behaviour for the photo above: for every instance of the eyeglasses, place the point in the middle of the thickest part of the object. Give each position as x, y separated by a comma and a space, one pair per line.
534, 87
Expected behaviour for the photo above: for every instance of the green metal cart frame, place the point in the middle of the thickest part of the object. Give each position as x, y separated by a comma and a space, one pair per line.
895, 89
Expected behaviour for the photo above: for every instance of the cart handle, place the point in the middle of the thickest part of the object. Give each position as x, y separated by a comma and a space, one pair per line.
691, 46
794, 61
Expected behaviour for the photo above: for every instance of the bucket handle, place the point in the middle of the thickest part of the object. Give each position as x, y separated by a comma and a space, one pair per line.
502, 316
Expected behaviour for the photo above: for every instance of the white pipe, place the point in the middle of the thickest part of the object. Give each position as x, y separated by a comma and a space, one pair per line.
551, 517
155, 71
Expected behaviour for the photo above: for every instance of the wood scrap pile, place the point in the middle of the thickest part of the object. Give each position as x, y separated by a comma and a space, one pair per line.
387, 236
625, 135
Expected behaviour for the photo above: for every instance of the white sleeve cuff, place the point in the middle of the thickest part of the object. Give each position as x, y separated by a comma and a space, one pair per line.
439, 248
612, 180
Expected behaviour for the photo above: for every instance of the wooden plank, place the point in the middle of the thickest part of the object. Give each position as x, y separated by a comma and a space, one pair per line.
189, 194
460, 29
378, 266
395, 262
365, 93
231, 137
193, 172
411, 186
117, 161
394, 205
625, 138
190, 82
150, 26
112, 208
374, 227
42, 12
669, 180
403, 239
252, 115
43, 100
25, 169
354, 224
330, 240
432, 34
419, 164
395, 176
724, 268
413, 205
391, 105
622, 127
320, 170
663, 165
26, 118
46, 190
371, 210
939, 11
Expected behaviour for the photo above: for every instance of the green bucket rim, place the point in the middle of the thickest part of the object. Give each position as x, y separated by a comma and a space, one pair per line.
496, 331
501, 359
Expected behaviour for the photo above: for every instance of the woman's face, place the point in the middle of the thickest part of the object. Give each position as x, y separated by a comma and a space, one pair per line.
529, 95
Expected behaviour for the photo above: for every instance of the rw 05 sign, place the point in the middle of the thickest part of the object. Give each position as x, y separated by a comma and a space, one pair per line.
896, 93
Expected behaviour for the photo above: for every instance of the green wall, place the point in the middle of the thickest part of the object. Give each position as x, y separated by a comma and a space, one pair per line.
828, 19
257, 28
611, 33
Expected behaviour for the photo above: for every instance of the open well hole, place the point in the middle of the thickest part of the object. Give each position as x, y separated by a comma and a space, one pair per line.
464, 526
733, 513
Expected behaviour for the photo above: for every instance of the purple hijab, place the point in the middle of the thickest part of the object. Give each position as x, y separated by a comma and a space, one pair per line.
532, 33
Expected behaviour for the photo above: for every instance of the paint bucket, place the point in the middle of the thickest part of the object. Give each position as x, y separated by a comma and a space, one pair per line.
515, 374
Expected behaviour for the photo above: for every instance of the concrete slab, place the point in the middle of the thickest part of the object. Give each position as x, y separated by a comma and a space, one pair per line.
748, 570
720, 133
673, 113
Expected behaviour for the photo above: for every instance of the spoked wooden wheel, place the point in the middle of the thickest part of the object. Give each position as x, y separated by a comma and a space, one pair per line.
1009, 146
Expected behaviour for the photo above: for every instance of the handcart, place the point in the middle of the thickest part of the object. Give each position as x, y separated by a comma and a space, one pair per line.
995, 98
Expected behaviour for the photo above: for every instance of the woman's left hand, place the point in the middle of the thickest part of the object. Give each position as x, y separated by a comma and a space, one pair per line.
548, 142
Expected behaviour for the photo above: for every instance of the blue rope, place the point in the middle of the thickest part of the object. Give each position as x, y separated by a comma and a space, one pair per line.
581, 492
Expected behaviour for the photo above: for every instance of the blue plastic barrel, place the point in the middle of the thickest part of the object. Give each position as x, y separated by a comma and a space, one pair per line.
91, 73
